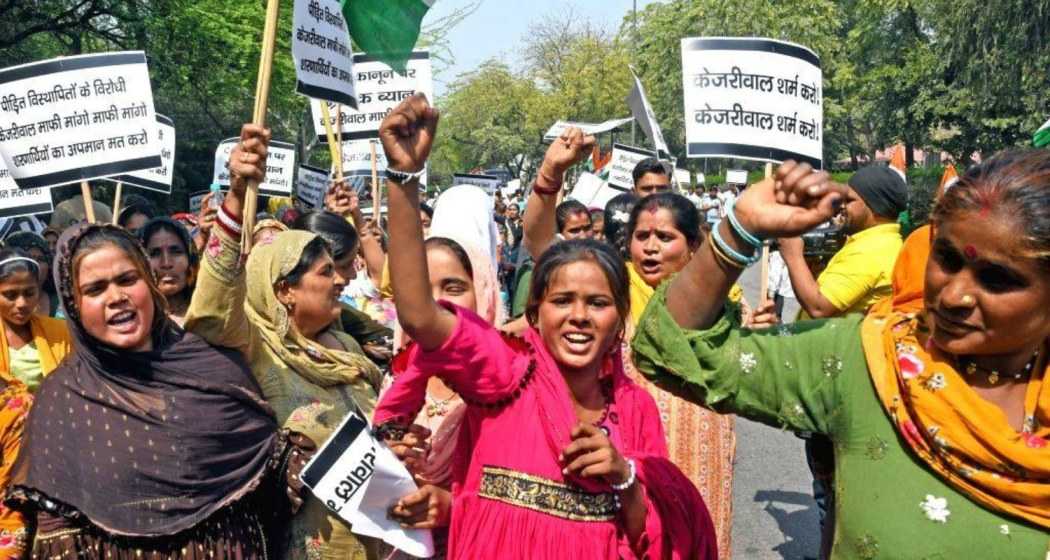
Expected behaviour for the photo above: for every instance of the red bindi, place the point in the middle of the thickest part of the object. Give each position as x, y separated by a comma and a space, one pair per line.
970, 251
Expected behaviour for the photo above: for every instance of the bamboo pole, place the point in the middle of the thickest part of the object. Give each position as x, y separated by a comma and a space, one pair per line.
339, 140
262, 98
116, 202
763, 286
334, 145
377, 192
89, 205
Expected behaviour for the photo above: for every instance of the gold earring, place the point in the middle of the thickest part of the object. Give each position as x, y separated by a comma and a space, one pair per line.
968, 300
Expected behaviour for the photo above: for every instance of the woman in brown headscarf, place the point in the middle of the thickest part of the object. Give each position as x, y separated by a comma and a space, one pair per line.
146, 441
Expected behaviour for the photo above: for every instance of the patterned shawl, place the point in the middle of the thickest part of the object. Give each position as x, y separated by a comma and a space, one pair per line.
141, 443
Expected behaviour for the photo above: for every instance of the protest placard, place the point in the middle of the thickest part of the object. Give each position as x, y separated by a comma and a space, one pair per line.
379, 89
588, 128
593, 192
643, 113
683, 177
73, 119
324, 66
159, 178
752, 98
311, 185
736, 177
489, 183
21, 202
195, 201
359, 478
621, 167
280, 167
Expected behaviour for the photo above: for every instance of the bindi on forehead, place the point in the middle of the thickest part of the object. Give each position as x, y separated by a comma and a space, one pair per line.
970, 252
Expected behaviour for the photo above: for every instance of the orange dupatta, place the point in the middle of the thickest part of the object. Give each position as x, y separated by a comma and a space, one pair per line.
52, 341
965, 439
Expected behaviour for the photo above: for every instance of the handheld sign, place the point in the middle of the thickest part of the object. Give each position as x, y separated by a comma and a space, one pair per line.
358, 478
752, 98
593, 192
159, 178
684, 178
736, 177
643, 113
379, 89
621, 168
21, 202
587, 128
324, 65
73, 119
280, 167
311, 186
488, 183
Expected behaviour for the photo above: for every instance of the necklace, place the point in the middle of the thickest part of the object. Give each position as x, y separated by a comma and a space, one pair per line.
994, 375
607, 396
436, 407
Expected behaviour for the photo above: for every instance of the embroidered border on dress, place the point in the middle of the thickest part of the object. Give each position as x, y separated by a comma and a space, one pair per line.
546, 496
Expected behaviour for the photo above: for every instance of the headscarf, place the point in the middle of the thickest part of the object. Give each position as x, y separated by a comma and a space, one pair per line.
464, 214
909, 272
269, 262
162, 222
882, 189
959, 435
142, 444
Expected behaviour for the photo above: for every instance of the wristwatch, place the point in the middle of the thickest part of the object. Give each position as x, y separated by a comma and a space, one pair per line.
403, 177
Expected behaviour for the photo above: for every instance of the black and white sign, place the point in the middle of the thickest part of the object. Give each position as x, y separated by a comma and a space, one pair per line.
752, 98
21, 202
359, 479
280, 167
311, 186
593, 192
159, 178
77, 118
621, 167
684, 178
324, 66
379, 89
488, 183
643, 113
587, 128
736, 177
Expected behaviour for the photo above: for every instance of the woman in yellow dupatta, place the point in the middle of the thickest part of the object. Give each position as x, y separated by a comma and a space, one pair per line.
31, 345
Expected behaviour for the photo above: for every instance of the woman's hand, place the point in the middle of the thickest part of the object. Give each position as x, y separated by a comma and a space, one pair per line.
408, 133
206, 216
571, 148
795, 200
592, 455
248, 158
764, 316
341, 199
429, 507
412, 448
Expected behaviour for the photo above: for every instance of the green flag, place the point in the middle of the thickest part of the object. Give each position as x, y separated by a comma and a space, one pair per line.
1042, 136
386, 29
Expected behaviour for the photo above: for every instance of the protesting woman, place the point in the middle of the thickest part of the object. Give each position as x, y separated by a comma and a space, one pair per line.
173, 259
939, 418
278, 309
147, 441
31, 345
560, 455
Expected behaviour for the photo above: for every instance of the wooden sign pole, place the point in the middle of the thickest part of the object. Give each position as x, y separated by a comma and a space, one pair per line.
335, 147
376, 189
763, 286
262, 98
89, 205
116, 202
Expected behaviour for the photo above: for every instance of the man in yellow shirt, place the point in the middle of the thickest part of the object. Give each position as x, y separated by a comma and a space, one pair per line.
861, 272
856, 277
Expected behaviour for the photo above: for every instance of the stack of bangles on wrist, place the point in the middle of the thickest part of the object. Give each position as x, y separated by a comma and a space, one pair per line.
727, 254
228, 222
545, 191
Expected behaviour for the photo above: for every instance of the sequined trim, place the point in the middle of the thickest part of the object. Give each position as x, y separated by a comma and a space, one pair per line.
546, 496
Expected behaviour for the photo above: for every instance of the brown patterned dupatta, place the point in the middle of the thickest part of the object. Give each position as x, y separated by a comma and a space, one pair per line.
142, 443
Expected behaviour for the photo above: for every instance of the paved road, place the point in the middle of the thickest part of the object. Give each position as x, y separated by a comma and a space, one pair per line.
774, 516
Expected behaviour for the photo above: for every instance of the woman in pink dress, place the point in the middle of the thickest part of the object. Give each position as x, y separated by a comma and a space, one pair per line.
560, 455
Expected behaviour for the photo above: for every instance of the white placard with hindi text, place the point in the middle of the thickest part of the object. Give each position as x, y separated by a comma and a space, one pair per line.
379, 89
311, 186
280, 167
489, 183
21, 202
159, 178
324, 65
621, 167
593, 192
77, 118
559, 127
752, 98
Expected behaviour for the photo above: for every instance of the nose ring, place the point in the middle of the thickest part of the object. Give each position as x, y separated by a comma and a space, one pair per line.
968, 300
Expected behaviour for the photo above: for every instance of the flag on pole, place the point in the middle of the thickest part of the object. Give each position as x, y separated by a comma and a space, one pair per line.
948, 180
386, 29
898, 163
1042, 136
